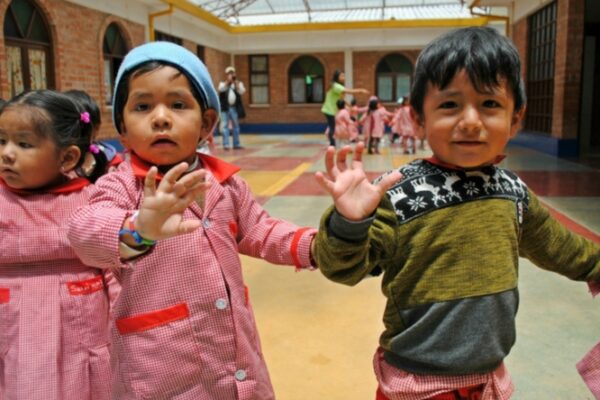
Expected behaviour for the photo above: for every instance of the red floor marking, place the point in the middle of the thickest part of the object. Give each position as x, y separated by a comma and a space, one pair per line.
572, 225
562, 183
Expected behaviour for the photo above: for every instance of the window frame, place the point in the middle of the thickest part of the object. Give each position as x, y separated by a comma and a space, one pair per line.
305, 87
252, 72
394, 75
111, 58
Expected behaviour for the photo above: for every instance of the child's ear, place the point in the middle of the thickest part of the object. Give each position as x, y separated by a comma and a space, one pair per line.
209, 120
515, 122
419, 123
69, 158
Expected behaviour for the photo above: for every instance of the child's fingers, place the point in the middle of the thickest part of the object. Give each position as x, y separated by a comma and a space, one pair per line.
150, 182
172, 176
189, 225
341, 158
329, 161
388, 181
358, 152
325, 183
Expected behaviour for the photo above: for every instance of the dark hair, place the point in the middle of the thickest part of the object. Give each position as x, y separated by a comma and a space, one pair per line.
341, 104
482, 52
373, 104
353, 102
89, 104
336, 75
56, 116
123, 89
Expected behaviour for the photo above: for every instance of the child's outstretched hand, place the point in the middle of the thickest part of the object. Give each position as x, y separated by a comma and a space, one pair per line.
354, 196
161, 212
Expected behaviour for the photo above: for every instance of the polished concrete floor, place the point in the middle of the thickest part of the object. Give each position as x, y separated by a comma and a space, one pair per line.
319, 337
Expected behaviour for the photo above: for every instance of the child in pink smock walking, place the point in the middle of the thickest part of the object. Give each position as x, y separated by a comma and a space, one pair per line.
403, 125
343, 124
184, 323
53, 308
373, 122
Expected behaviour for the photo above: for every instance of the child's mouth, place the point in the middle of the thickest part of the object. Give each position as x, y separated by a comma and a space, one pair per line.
163, 142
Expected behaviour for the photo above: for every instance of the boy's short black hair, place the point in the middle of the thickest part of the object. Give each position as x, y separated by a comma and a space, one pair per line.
341, 104
482, 52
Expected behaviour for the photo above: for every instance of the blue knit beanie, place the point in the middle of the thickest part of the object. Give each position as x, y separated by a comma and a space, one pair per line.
170, 54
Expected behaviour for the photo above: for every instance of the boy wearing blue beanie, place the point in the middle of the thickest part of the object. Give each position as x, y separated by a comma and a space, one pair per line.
170, 223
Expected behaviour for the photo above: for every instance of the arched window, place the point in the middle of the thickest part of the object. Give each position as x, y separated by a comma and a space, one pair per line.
114, 50
28, 48
306, 80
393, 75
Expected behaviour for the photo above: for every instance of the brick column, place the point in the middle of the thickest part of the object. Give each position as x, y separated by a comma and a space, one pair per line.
567, 68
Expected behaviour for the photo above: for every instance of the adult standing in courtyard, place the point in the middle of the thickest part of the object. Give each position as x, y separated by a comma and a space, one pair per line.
232, 109
335, 93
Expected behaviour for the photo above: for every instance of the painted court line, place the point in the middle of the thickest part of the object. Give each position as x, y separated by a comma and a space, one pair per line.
285, 180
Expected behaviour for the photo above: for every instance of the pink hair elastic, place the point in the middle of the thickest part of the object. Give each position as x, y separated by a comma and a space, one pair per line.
94, 149
85, 117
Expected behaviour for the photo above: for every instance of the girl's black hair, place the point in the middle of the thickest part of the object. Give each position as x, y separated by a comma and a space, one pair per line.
336, 75
373, 105
485, 55
89, 104
341, 104
56, 116
123, 89
353, 102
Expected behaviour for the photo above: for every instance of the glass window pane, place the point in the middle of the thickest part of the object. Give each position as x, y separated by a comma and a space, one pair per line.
258, 64
108, 82
402, 85
37, 69
260, 95
384, 88
317, 90
15, 72
10, 27
259, 79
23, 10
38, 30
298, 90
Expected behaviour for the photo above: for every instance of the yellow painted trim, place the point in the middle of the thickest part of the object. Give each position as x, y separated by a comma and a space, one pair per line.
317, 26
198, 12
154, 15
285, 180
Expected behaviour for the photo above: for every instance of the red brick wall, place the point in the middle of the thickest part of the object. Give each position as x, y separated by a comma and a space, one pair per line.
567, 68
78, 60
519, 38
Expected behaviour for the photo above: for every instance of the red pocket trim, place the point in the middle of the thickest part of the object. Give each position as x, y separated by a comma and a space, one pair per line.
78, 288
233, 228
246, 295
143, 322
294, 246
4, 295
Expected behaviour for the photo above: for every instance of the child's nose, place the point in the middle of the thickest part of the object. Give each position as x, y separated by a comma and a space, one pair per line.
7, 153
471, 120
161, 118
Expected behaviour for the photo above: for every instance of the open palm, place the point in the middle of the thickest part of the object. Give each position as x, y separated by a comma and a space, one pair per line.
354, 196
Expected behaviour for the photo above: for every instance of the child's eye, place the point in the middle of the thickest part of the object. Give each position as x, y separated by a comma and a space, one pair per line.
491, 104
448, 105
179, 105
25, 145
2, 141
141, 107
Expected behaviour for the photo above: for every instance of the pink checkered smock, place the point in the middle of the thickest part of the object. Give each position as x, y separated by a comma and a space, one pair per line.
589, 366
53, 309
184, 324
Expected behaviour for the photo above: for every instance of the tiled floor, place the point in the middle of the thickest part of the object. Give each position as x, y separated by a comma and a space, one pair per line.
319, 337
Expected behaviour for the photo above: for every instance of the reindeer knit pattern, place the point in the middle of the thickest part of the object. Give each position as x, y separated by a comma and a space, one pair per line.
448, 243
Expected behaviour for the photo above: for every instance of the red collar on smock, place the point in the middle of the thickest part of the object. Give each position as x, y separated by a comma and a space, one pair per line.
72, 185
436, 161
220, 169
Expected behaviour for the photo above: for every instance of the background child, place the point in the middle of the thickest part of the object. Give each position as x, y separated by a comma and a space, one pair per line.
448, 235
343, 123
355, 110
403, 126
53, 308
185, 326
373, 122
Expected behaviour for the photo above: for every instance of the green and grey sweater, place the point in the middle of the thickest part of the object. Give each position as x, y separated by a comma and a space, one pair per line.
448, 243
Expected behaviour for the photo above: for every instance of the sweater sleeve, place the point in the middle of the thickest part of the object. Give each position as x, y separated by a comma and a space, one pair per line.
94, 228
347, 251
551, 246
